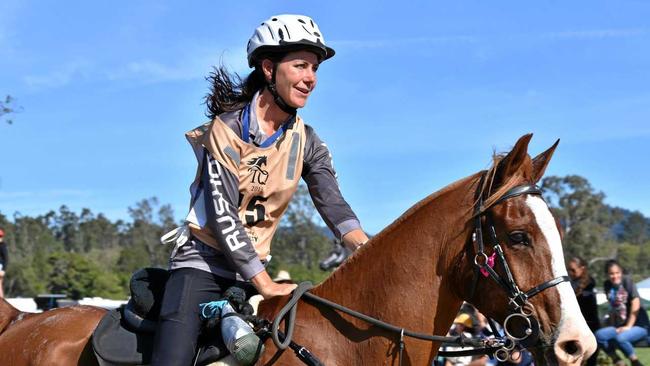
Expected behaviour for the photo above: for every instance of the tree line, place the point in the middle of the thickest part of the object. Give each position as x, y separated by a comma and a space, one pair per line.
86, 254
597, 231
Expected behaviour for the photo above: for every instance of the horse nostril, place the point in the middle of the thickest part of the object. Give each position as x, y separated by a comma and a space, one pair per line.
571, 347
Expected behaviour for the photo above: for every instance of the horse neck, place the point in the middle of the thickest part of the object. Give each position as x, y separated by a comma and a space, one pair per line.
401, 275
7, 314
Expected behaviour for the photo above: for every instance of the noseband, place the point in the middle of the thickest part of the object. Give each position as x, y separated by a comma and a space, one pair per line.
520, 308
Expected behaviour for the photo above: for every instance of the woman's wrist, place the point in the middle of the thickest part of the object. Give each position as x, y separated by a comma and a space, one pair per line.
355, 238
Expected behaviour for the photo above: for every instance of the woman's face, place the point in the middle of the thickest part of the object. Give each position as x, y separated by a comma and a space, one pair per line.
615, 274
295, 77
575, 270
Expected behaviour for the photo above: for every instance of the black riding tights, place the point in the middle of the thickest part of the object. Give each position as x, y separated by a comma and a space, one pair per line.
180, 321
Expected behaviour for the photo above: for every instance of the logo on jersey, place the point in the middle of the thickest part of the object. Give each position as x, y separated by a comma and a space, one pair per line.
259, 174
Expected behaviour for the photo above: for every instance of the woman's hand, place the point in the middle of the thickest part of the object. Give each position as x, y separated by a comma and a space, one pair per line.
623, 329
268, 289
277, 289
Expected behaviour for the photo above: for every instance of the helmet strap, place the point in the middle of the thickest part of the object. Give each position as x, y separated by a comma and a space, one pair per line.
277, 98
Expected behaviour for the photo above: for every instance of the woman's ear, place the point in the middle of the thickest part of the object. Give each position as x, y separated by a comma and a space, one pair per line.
267, 69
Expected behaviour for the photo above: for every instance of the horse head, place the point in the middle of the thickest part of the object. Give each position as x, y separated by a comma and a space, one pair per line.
527, 291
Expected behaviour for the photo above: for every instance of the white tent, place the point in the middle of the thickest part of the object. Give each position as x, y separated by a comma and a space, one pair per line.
644, 289
24, 304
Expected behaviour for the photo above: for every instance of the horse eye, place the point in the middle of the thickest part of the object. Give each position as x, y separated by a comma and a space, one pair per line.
518, 237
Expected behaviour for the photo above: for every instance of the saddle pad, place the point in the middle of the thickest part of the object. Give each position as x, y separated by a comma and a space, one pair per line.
115, 345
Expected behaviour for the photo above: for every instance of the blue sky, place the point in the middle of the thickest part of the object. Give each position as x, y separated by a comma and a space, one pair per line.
418, 95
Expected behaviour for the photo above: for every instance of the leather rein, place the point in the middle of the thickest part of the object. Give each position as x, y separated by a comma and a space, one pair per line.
500, 347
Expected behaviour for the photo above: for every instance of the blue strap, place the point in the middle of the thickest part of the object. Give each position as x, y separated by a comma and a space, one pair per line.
269, 141
245, 120
246, 128
212, 309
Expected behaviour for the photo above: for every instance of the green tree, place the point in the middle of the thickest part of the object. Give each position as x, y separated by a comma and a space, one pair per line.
585, 219
78, 277
300, 241
97, 232
143, 235
635, 228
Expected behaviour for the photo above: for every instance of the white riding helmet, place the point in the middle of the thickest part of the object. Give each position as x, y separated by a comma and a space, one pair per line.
287, 32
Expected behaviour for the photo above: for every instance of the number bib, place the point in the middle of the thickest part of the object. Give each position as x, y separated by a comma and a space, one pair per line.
268, 177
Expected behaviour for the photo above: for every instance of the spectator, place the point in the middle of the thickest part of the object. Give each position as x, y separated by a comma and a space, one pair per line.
4, 260
627, 321
584, 287
463, 325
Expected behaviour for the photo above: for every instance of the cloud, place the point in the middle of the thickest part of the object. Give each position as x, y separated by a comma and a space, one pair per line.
191, 68
9, 11
361, 44
195, 65
59, 77
588, 34
597, 34
47, 194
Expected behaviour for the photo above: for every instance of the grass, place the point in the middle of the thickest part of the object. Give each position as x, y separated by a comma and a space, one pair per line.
643, 353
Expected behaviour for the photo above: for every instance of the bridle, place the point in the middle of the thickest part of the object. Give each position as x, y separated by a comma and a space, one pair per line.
501, 348
520, 307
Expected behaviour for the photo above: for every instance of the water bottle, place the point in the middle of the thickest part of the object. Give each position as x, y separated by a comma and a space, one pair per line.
239, 337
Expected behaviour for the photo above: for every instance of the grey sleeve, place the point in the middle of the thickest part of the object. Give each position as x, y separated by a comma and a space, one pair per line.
320, 177
630, 287
221, 194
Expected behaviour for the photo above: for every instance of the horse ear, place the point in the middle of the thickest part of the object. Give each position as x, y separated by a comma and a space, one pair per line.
540, 162
513, 161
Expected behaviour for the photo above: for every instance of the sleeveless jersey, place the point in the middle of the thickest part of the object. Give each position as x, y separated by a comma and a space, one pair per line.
268, 178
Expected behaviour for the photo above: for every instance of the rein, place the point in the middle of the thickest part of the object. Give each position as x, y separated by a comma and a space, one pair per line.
282, 340
501, 347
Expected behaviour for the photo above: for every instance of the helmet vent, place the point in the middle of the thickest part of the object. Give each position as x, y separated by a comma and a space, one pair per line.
312, 23
281, 33
270, 32
288, 35
317, 34
301, 21
275, 19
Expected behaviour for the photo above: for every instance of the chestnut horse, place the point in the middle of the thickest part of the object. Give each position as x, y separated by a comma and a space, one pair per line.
414, 274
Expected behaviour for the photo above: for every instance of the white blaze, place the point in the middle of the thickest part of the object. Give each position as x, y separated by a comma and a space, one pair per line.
572, 324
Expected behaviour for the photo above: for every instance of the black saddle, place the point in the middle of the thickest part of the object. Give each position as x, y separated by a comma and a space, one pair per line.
125, 335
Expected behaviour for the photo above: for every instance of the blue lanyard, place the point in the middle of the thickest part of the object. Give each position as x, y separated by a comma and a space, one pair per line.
246, 129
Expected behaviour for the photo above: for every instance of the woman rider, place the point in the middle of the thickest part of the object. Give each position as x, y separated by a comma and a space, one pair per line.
250, 158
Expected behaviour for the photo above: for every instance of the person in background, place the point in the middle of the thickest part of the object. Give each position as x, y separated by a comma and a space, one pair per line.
4, 260
463, 325
283, 276
584, 287
628, 321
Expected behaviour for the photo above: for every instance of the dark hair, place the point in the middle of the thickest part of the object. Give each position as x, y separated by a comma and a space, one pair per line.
228, 92
611, 263
583, 280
